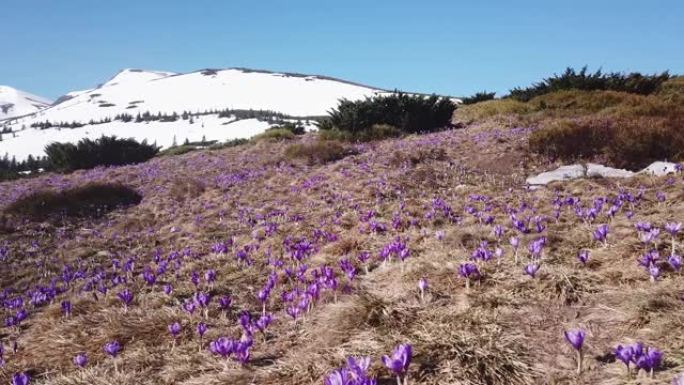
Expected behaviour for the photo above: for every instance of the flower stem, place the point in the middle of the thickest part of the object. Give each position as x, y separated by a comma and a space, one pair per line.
579, 362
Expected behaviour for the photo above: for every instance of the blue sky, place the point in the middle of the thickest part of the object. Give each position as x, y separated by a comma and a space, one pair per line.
50, 47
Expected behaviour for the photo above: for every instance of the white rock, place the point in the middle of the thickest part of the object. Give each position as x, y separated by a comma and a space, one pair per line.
573, 171
660, 168
598, 170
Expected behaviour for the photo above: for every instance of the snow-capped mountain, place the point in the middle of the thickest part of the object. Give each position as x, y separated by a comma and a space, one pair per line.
216, 102
14, 102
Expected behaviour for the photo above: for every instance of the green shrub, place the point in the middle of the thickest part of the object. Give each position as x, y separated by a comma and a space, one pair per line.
92, 200
319, 152
277, 135
635, 83
105, 151
408, 113
478, 97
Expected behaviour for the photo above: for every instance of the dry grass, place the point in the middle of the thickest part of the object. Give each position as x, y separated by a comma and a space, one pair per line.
506, 329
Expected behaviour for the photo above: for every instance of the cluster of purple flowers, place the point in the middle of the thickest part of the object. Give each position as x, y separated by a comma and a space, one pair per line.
354, 373
356, 370
397, 249
644, 358
239, 349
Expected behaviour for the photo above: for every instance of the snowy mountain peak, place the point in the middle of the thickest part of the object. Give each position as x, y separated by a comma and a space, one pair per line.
167, 107
133, 75
14, 102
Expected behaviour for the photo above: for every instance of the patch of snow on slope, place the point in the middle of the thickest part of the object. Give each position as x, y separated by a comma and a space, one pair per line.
33, 141
14, 102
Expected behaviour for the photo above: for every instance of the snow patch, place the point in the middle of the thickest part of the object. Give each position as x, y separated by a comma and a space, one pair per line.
593, 170
15, 103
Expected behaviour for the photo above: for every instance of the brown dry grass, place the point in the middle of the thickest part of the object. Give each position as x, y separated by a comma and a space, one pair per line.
506, 330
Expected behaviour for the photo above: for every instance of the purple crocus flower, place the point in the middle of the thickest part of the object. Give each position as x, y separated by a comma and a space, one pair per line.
515, 242
624, 354
654, 271
241, 351
168, 289
338, 377
210, 276
536, 247
469, 271
149, 277
224, 302
126, 296
673, 228
112, 348
21, 379
263, 322
222, 346
66, 308
601, 233
400, 360
650, 360
189, 306
531, 269
175, 329
195, 278
355, 373
263, 294
583, 256
81, 360
202, 299
650, 236
575, 338
422, 284
201, 329
675, 261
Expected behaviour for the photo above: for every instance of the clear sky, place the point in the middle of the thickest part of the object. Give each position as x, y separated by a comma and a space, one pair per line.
50, 47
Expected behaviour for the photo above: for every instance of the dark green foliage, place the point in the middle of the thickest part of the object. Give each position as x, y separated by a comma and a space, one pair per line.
92, 200
479, 97
319, 152
615, 81
408, 113
11, 169
105, 151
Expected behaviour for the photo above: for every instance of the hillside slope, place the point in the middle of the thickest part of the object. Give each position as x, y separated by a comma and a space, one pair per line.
344, 245
14, 103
